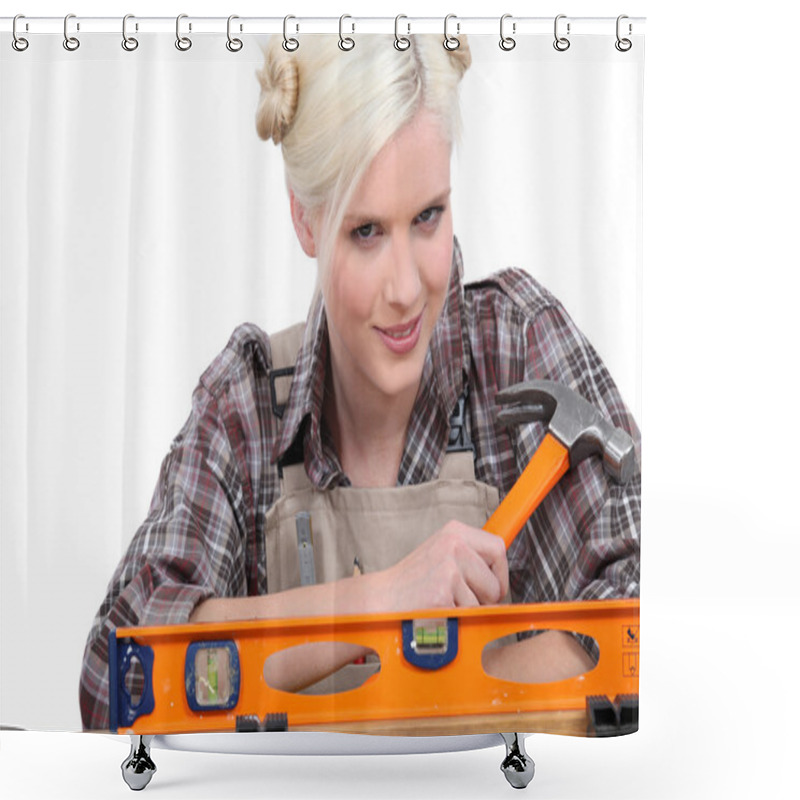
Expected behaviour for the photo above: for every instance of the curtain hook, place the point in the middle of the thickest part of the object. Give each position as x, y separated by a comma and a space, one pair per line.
623, 45
129, 43
506, 42
561, 43
346, 43
70, 42
183, 43
289, 44
401, 42
233, 45
451, 42
19, 43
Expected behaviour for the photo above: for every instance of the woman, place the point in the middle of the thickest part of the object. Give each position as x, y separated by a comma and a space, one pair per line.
376, 417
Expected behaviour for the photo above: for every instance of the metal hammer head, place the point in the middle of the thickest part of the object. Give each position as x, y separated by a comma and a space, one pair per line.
576, 423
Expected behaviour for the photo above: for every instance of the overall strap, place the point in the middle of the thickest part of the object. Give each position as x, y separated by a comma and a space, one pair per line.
459, 440
284, 345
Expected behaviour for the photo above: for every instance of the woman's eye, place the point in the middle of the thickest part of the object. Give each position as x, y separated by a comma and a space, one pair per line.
364, 232
430, 215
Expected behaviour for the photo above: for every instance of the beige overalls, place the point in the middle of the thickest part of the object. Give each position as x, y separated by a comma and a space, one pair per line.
374, 528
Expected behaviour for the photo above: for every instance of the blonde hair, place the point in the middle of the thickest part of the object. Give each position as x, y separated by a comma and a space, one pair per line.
332, 111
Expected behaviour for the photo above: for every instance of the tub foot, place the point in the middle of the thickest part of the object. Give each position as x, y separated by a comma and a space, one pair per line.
138, 768
517, 766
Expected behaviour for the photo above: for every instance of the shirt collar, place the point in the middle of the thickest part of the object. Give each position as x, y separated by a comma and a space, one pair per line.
449, 350
443, 379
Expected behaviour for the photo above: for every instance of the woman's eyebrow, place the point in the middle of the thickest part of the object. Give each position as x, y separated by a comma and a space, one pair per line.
357, 217
439, 200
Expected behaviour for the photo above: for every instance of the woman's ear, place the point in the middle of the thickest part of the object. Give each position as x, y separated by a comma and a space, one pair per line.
302, 226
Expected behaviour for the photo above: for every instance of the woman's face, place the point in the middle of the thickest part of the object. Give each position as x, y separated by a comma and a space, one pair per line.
385, 285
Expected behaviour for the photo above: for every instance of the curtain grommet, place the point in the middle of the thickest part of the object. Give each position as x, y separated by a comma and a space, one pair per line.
183, 43
70, 43
346, 43
129, 43
451, 42
233, 44
507, 43
289, 44
561, 43
401, 42
19, 43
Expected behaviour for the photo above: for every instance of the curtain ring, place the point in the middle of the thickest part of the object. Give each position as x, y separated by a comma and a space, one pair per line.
401, 42
289, 44
345, 43
233, 45
506, 42
183, 43
19, 43
451, 42
70, 42
129, 43
623, 45
561, 43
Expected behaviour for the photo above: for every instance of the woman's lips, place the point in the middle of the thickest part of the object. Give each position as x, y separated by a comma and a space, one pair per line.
403, 338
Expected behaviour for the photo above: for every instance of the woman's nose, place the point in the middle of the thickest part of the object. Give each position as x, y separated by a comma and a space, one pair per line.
403, 283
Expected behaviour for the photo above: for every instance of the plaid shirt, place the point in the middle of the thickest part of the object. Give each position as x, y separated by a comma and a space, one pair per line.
204, 533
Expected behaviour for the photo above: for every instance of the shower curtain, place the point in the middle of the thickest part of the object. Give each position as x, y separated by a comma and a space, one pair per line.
143, 221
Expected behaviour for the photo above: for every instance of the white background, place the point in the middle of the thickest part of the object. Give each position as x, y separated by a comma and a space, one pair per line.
720, 597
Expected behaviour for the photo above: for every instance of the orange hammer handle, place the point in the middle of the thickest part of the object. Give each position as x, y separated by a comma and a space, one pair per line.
548, 464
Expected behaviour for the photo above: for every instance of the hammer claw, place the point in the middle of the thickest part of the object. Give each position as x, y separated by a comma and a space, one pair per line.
521, 414
524, 402
528, 393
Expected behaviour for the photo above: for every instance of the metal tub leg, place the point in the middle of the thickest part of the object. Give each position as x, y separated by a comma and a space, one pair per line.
138, 768
517, 766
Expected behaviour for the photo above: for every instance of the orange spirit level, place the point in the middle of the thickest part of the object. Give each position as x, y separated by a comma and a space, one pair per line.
211, 677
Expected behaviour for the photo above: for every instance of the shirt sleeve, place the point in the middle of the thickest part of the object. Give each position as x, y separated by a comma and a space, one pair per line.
586, 533
190, 547
583, 541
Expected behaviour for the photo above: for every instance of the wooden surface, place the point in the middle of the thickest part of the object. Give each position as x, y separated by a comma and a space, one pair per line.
571, 723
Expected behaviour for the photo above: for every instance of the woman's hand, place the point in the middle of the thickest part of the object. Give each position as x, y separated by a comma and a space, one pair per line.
457, 566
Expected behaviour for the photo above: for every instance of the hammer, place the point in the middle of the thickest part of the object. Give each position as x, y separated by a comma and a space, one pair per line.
576, 431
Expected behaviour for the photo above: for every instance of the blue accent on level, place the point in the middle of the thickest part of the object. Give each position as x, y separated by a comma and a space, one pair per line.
430, 660
233, 668
121, 653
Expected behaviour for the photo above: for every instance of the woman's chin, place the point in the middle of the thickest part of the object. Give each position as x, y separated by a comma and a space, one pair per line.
399, 379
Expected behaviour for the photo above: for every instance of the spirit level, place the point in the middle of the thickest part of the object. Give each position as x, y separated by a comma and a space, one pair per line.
210, 677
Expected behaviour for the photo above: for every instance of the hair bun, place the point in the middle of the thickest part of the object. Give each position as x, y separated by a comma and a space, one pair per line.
279, 90
461, 56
